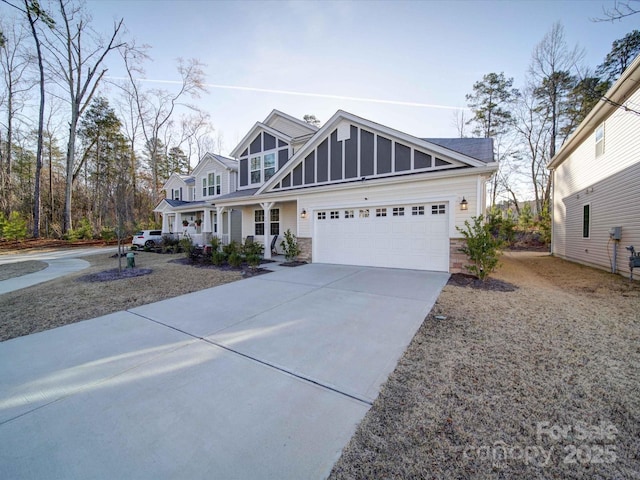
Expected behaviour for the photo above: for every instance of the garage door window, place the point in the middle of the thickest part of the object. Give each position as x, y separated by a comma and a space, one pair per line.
417, 210
348, 214
322, 215
398, 211
335, 214
381, 212
438, 209
364, 213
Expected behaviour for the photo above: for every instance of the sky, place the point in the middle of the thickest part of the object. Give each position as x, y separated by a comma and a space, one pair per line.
407, 65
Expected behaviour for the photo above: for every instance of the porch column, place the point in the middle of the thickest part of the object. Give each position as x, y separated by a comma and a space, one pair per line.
219, 212
267, 228
229, 223
207, 221
165, 222
178, 225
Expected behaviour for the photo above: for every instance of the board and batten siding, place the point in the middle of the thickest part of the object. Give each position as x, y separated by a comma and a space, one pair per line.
449, 190
610, 184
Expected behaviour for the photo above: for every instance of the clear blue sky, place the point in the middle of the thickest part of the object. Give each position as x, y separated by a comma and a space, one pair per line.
423, 52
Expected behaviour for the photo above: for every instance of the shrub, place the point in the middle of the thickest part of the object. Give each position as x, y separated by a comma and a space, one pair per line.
85, 230
482, 248
168, 244
231, 248
507, 228
252, 249
3, 222
218, 258
107, 234
253, 260
15, 227
216, 243
544, 225
290, 246
526, 216
235, 259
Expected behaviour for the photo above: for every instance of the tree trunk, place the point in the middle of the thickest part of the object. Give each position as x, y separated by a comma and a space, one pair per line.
71, 153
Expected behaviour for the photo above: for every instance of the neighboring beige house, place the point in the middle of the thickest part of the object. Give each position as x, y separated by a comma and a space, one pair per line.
596, 181
353, 192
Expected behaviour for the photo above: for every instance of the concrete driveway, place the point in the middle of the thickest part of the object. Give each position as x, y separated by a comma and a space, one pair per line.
262, 378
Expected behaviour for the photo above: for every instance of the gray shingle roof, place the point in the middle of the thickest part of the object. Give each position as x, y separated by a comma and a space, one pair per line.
478, 148
182, 203
228, 162
238, 194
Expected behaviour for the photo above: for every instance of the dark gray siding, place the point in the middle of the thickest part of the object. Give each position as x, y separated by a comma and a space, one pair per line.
336, 157
309, 168
366, 153
283, 156
421, 160
282, 144
256, 145
403, 158
323, 161
244, 172
269, 142
351, 154
286, 181
297, 175
441, 163
384, 155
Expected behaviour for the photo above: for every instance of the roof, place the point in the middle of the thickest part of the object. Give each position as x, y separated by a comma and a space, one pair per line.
614, 99
182, 203
226, 161
478, 148
238, 194
188, 179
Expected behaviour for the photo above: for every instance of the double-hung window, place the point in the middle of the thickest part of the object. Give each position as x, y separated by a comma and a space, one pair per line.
256, 169
212, 184
274, 222
259, 222
269, 165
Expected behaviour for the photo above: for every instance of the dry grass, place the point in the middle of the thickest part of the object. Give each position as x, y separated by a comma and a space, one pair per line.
12, 270
470, 395
69, 299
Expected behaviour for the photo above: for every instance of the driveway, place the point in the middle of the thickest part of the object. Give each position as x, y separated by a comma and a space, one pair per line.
262, 378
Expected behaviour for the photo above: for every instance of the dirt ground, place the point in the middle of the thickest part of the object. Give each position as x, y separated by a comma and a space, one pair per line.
539, 382
71, 299
12, 270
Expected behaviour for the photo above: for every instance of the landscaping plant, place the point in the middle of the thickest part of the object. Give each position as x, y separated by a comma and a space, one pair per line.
290, 246
481, 247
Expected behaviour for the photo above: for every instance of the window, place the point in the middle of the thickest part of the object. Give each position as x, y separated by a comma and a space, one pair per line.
259, 221
269, 165
256, 169
417, 210
398, 211
275, 221
333, 215
381, 212
218, 184
211, 185
599, 140
438, 209
322, 215
586, 220
204, 187
364, 213
176, 193
348, 214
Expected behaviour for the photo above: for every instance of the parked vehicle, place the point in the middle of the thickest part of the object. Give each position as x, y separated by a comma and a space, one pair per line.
147, 238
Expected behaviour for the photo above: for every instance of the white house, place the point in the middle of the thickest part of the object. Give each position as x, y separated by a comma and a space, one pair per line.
353, 192
596, 181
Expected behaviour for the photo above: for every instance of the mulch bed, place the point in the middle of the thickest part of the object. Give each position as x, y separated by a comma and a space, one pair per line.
491, 284
296, 263
114, 274
245, 270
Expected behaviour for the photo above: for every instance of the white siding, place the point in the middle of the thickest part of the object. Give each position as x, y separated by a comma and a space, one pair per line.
427, 191
610, 183
288, 216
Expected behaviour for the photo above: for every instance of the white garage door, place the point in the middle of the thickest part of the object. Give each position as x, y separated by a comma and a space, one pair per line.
398, 236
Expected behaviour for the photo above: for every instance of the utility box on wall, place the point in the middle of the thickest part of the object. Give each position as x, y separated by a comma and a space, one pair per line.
615, 233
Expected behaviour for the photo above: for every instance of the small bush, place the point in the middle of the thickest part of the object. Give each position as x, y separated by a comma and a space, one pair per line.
168, 243
218, 258
231, 248
107, 234
544, 225
235, 259
507, 228
252, 249
253, 260
525, 219
3, 222
216, 243
15, 227
290, 246
481, 247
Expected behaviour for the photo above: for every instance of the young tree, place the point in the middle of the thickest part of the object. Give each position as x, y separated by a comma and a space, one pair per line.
622, 53
77, 63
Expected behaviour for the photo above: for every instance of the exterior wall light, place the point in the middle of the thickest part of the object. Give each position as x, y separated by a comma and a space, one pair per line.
303, 214
464, 205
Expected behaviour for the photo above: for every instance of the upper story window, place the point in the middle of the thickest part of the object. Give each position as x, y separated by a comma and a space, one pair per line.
212, 185
599, 140
176, 193
260, 161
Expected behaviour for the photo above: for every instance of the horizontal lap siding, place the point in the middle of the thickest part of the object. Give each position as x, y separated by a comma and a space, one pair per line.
610, 183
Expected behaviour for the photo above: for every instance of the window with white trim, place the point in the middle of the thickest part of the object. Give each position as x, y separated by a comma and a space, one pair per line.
398, 211
204, 187
176, 193
274, 217
212, 185
334, 214
258, 216
256, 170
269, 166
599, 140
348, 214
417, 210
381, 212
438, 209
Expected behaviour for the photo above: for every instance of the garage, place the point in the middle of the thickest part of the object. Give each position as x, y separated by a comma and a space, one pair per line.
414, 236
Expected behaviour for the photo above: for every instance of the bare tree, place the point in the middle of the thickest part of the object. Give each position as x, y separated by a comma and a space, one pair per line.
77, 64
156, 107
459, 122
619, 11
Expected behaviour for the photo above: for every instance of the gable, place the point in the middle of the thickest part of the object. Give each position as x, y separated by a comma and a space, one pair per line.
289, 125
210, 161
350, 149
266, 149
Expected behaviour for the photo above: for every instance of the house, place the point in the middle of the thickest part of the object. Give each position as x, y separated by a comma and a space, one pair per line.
353, 192
189, 206
596, 181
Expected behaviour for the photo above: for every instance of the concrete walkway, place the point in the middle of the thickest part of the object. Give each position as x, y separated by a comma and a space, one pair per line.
262, 378
57, 268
